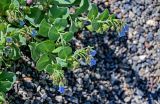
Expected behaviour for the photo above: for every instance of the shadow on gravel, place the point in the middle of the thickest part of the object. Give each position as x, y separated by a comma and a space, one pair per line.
111, 81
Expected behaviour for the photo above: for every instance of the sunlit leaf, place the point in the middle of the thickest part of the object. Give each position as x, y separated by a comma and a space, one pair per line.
93, 12
104, 15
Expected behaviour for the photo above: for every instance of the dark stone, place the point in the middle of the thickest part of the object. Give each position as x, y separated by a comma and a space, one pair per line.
133, 49
150, 36
36, 101
29, 85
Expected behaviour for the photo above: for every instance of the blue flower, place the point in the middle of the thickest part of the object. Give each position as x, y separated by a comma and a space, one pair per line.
34, 33
21, 23
122, 33
126, 28
93, 53
61, 89
9, 39
92, 62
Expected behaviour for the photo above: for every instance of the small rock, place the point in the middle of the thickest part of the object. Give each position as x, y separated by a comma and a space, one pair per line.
73, 100
142, 57
44, 96
127, 99
133, 49
139, 93
36, 101
86, 77
149, 36
98, 76
79, 80
135, 42
151, 23
142, 39
59, 98
158, 35
147, 45
87, 102
38, 88
157, 73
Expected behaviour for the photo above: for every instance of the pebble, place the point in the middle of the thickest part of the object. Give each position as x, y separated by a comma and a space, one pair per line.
149, 36
133, 49
142, 39
139, 93
127, 99
98, 76
158, 35
151, 23
79, 80
38, 88
59, 98
142, 57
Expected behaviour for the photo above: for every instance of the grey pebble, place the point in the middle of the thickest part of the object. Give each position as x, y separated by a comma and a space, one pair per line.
142, 39
59, 98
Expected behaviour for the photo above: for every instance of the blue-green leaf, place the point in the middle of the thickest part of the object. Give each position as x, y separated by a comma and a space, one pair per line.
15, 52
53, 34
44, 28
68, 36
95, 25
36, 14
35, 54
84, 5
59, 12
6, 81
58, 49
46, 46
43, 61
65, 52
60, 24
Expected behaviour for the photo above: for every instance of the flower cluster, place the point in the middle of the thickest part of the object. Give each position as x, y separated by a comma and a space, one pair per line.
61, 89
92, 62
48, 35
29, 2
90, 59
34, 33
124, 29
21, 23
8, 39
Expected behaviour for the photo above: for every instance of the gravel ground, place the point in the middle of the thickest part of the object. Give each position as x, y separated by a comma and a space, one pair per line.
127, 70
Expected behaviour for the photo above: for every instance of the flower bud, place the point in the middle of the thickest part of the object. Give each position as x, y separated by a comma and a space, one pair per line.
61, 89
29, 2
